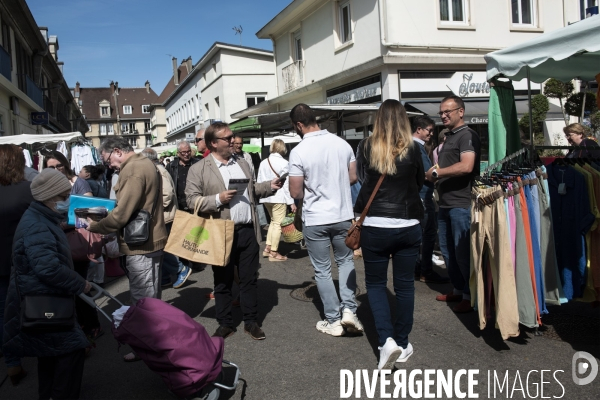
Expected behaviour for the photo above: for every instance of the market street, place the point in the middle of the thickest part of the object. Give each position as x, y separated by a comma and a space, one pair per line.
298, 362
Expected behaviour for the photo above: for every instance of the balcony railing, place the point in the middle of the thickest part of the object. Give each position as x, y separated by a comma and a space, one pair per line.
5, 64
34, 92
49, 105
64, 121
293, 76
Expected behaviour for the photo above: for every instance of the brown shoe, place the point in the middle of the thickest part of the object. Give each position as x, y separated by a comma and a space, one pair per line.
254, 331
224, 331
16, 374
463, 307
448, 297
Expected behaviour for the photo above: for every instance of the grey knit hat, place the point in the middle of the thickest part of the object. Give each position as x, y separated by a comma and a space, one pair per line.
49, 183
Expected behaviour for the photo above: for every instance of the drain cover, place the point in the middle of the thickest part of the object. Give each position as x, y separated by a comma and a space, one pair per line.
310, 293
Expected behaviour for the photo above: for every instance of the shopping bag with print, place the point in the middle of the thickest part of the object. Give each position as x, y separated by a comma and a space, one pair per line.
202, 240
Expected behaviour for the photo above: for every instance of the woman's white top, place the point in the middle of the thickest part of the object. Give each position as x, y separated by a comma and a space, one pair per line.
266, 174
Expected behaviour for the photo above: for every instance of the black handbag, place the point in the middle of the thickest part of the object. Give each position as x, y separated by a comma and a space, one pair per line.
137, 230
46, 312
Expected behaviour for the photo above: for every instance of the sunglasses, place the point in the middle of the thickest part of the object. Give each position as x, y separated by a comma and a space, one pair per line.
226, 138
199, 139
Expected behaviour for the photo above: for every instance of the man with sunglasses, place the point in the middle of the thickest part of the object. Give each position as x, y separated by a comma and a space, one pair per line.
208, 183
423, 128
178, 169
458, 165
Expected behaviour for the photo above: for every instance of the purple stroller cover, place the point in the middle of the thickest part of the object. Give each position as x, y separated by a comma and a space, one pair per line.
172, 344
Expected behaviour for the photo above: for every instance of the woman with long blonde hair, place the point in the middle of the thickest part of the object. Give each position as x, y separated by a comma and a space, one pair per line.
391, 227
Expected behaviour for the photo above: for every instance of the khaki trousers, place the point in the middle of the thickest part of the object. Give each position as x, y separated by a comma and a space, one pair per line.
277, 213
489, 234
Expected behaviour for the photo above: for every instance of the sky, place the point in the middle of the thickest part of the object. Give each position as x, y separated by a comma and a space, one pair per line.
131, 41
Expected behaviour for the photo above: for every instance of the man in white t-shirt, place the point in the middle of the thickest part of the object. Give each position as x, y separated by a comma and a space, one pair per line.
322, 168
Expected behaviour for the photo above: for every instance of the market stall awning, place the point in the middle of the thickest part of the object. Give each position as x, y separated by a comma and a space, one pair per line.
476, 111
566, 53
245, 125
32, 139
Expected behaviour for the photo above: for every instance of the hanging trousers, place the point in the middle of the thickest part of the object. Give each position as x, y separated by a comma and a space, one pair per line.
489, 234
525, 297
533, 209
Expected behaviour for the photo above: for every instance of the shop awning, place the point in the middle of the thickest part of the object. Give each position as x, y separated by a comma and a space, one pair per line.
245, 125
476, 111
50, 138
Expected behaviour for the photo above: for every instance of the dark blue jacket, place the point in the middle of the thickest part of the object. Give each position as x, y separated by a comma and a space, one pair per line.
42, 261
426, 192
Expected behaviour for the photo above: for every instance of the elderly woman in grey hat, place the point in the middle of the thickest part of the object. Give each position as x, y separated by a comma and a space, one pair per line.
42, 265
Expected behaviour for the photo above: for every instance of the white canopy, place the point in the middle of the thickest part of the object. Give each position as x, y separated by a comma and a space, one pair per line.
565, 54
32, 139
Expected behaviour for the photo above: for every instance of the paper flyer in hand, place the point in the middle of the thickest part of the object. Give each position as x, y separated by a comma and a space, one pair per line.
240, 185
93, 213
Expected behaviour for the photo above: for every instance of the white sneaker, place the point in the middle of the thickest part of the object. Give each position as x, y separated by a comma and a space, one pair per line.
388, 354
335, 329
350, 322
406, 353
439, 261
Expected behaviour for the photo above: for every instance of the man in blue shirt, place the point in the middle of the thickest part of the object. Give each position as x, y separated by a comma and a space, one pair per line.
423, 127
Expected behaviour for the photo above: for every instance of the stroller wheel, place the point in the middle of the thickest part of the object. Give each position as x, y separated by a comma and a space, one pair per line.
210, 392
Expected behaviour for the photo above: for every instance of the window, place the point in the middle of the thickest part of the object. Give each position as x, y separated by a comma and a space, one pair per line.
132, 141
126, 109
583, 4
523, 12
453, 11
104, 111
147, 126
102, 129
345, 22
254, 99
298, 46
110, 129
89, 128
217, 108
128, 127
207, 111
145, 109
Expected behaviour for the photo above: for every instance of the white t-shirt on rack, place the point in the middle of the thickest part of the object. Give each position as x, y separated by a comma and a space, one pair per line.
323, 159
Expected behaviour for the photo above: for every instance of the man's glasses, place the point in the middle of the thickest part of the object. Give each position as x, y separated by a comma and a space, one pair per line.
226, 138
185, 152
107, 162
429, 130
447, 112
199, 139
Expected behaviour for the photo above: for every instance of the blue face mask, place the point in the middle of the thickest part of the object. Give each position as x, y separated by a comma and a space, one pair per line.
62, 207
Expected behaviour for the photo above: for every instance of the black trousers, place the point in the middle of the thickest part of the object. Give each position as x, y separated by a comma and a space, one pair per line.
87, 316
244, 255
60, 377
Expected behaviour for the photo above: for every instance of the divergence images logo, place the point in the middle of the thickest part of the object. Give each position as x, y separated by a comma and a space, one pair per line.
583, 363
197, 235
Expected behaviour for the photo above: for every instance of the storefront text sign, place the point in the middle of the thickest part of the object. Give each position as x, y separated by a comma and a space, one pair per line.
469, 84
364, 92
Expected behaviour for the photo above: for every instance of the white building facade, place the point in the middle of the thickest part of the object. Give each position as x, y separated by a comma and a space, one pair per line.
227, 79
367, 51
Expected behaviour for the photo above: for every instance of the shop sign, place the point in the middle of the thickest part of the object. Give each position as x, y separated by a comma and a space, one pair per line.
476, 120
39, 118
361, 93
469, 84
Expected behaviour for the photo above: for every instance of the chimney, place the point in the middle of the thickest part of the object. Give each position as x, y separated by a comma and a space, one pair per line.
147, 86
60, 66
44, 32
175, 72
77, 86
188, 64
53, 47
112, 87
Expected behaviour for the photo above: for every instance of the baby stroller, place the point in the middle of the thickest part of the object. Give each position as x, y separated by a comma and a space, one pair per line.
173, 345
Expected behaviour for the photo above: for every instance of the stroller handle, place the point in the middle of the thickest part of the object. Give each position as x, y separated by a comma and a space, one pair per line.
91, 301
236, 379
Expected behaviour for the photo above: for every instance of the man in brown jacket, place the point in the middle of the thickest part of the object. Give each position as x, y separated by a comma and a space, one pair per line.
137, 188
208, 182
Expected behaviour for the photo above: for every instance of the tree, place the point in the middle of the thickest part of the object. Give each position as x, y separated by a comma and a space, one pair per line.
556, 89
539, 109
595, 124
574, 104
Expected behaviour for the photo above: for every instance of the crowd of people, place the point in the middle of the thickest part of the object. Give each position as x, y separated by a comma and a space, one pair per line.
402, 224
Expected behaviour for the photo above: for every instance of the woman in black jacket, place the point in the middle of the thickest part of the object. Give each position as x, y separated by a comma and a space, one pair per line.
42, 265
16, 197
391, 226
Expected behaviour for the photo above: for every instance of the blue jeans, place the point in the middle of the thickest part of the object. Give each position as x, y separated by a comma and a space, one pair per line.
9, 360
403, 245
429, 229
319, 240
454, 226
172, 265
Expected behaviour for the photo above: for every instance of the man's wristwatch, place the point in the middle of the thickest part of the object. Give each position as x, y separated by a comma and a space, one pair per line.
434, 173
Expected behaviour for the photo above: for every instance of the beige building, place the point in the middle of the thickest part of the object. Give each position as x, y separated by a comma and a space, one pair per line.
118, 111
32, 86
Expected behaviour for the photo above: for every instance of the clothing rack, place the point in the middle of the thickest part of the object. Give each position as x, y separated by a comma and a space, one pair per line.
505, 160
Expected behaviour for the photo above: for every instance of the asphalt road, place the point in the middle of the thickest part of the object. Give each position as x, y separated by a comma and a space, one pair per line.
298, 362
